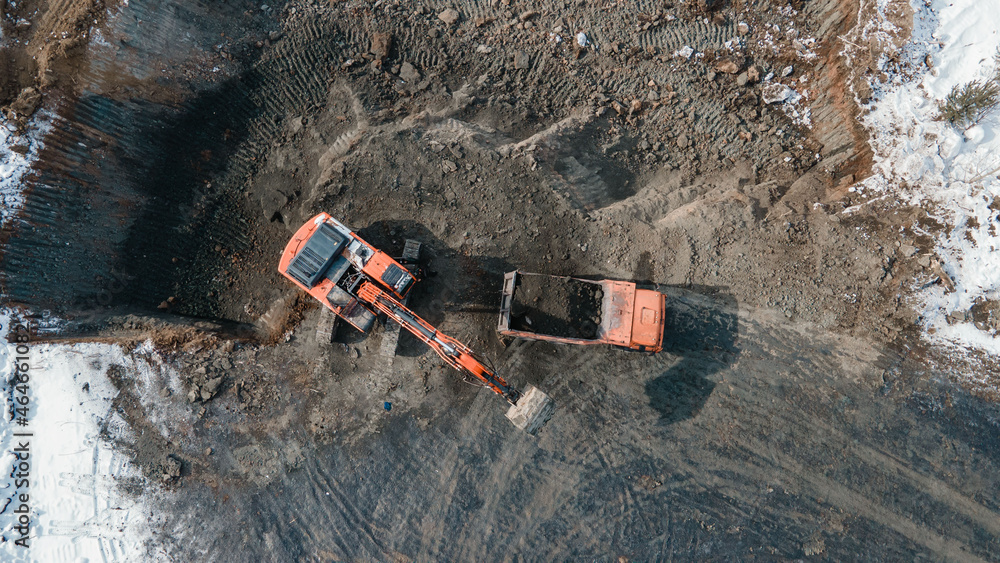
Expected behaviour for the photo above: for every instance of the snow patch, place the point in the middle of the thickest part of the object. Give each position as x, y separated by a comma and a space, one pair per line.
17, 152
950, 173
79, 511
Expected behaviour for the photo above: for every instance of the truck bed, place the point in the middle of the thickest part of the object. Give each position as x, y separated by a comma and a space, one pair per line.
557, 306
575, 311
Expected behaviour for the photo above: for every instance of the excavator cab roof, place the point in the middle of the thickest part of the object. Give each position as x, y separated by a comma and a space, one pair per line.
313, 260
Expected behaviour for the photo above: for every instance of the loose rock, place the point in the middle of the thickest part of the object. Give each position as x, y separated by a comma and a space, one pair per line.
449, 16
381, 44
27, 102
728, 67
171, 469
408, 73
773, 93
521, 60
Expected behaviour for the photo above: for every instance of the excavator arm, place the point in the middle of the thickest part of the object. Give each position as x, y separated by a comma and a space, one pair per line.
453, 352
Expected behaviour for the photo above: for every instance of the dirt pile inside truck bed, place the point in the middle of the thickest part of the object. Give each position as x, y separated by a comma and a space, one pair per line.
557, 306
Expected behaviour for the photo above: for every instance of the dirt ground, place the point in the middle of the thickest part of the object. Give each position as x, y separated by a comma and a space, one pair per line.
557, 306
794, 412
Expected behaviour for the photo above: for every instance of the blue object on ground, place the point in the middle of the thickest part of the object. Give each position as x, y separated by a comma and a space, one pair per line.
387, 405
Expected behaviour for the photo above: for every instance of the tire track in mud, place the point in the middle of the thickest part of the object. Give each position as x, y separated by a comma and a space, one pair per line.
354, 519
896, 473
482, 491
749, 469
675, 35
52, 226
87, 184
432, 530
545, 83
290, 78
777, 344
845, 496
158, 174
495, 480
780, 342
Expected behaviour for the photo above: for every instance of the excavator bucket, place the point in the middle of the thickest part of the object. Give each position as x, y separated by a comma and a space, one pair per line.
532, 410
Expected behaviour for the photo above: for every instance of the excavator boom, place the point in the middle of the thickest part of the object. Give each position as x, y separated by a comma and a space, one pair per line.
453, 352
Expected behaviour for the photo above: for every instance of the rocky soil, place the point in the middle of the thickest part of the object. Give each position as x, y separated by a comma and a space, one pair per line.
707, 148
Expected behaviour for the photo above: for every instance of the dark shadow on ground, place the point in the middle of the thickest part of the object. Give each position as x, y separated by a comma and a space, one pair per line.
593, 178
125, 207
701, 325
455, 280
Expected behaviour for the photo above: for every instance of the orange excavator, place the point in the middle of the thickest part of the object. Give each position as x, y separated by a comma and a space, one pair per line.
357, 282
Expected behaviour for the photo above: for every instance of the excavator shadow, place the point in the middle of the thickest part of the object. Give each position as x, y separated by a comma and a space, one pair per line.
455, 281
702, 327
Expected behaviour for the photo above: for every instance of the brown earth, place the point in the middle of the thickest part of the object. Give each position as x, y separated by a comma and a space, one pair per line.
793, 412
557, 306
44, 49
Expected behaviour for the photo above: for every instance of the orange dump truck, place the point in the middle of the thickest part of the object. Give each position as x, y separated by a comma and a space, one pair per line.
578, 311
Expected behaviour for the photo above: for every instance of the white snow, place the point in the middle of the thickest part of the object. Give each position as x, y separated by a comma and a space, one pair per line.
77, 511
13, 165
952, 174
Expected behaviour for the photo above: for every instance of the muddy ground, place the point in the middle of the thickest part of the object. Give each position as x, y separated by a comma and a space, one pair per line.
794, 412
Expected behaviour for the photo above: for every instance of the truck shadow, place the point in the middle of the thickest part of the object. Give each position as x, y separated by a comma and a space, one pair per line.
702, 326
